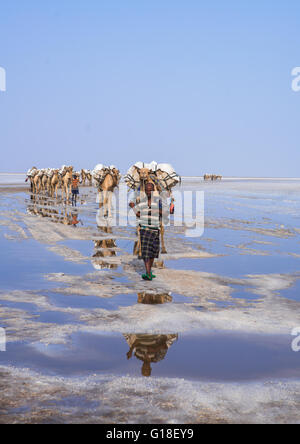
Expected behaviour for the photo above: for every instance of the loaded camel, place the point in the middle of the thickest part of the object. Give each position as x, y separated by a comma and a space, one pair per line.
86, 175
30, 176
37, 181
55, 183
106, 180
66, 178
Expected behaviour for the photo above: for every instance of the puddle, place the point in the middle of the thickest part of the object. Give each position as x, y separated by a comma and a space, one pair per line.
237, 266
54, 317
207, 357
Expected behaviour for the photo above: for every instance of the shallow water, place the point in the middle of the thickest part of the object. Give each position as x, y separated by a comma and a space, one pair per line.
225, 317
210, 357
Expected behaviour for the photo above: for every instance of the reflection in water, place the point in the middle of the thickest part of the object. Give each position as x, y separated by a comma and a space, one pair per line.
75, 220
105, 248
152, 298
150, 348
42, 206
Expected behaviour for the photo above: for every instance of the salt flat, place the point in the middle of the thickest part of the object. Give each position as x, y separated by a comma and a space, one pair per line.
220, 312
12, 179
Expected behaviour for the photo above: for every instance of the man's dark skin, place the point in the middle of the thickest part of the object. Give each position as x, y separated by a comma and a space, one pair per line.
149, 189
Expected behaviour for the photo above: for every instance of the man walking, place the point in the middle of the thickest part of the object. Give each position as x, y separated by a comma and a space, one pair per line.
75, 189
149, 211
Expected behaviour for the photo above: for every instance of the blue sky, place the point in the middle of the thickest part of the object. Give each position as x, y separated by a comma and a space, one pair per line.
204, 85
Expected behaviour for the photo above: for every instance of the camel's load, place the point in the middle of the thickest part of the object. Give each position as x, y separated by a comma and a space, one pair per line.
62, 170
49, 172
161, 174
86, 173
100, 172
32, 172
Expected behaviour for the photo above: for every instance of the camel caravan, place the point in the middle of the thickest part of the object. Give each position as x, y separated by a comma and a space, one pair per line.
212, 177
49, 181
163, 177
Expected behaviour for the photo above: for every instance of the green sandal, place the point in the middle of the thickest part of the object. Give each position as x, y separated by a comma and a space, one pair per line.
146, 277
153, 275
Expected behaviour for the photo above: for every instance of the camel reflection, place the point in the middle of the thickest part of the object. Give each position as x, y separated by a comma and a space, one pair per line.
104, 249
149, 348
44, 207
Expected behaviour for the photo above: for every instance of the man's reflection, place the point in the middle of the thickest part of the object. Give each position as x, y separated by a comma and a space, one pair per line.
75, 221
149, 348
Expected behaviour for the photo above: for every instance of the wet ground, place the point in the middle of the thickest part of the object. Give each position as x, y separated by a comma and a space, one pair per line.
209, 340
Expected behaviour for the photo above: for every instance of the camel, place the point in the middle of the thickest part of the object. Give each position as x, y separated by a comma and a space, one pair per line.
89, 178
83, 177
30, 176
37, 181
106, 180
86, 175
163, 177
49, 175
67, 174
54, 183
44, 180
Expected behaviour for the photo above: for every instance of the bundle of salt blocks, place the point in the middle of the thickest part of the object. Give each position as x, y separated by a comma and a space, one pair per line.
164, 173
100, 172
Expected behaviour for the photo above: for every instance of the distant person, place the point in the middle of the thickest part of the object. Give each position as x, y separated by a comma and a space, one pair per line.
75, 189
